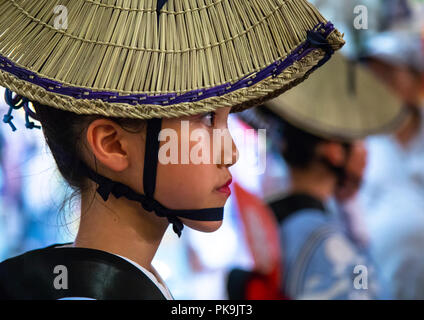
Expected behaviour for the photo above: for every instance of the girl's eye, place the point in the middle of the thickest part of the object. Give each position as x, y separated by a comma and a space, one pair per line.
209, 119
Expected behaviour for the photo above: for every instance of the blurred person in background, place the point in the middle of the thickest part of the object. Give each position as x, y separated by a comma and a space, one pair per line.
324, 246
392, 193
320, 249
393, 190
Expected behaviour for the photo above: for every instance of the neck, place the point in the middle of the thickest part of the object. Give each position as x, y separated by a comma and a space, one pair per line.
121, 227
316, 182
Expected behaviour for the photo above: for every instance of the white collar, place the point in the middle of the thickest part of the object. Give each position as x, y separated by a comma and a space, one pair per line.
155, 278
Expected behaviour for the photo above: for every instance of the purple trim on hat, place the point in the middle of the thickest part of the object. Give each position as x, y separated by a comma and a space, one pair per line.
168, 99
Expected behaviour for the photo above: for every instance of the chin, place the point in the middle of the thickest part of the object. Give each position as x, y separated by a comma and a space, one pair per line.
203, 226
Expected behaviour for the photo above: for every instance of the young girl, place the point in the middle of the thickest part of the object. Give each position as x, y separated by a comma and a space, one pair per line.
129, 97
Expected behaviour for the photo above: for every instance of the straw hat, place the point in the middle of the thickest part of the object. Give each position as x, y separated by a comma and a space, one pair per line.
351, 105
157, 59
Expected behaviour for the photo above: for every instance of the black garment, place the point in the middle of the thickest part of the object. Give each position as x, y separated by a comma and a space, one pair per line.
90, 274
287, 206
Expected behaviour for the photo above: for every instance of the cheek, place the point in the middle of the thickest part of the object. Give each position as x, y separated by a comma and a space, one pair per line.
186, 186
190, 186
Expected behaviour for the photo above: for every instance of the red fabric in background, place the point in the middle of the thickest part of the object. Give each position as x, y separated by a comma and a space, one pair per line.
261, 232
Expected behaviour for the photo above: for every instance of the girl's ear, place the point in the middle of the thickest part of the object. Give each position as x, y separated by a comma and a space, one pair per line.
109, 144
333, 152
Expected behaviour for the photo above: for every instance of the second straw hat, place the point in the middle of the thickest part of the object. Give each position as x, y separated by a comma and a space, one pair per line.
159, 59
340, 102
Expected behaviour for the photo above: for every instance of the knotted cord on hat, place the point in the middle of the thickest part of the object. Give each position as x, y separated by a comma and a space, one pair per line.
16, 103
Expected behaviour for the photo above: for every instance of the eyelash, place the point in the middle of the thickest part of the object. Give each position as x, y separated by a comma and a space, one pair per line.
213, 114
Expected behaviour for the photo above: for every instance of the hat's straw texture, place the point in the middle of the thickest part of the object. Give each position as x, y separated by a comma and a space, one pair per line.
117, 58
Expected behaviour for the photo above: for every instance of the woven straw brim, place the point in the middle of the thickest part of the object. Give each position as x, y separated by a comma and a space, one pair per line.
114, 59
340, 104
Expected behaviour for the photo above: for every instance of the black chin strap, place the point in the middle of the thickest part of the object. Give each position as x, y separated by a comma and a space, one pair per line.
151, 156
106, 186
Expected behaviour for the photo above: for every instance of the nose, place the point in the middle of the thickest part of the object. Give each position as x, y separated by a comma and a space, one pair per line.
229, 152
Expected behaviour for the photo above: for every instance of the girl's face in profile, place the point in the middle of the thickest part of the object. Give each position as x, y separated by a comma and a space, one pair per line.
193, 168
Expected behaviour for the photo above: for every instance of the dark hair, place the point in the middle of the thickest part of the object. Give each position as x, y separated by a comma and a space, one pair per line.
64, 133
295, 145
299, 147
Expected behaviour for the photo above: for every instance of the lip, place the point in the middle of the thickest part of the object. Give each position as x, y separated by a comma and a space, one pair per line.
226, 187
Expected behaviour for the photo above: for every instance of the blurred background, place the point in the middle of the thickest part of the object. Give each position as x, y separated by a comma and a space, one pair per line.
390, 201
